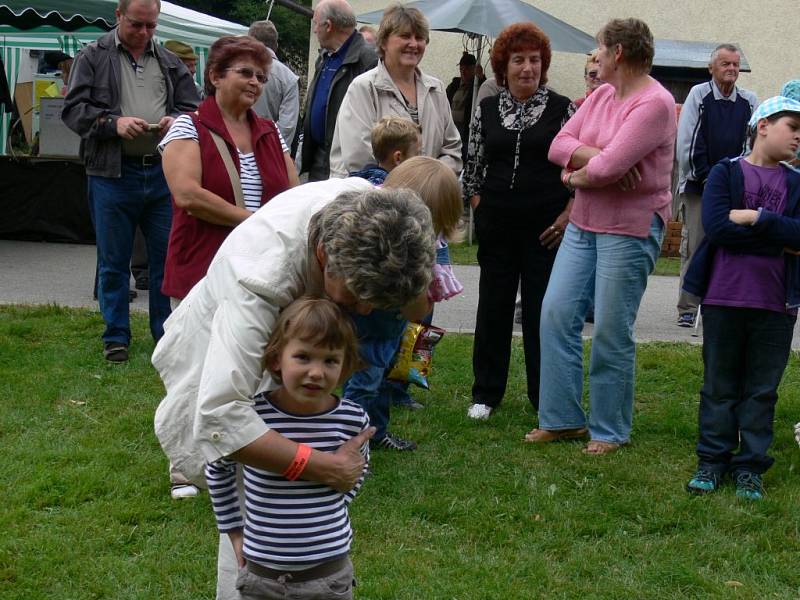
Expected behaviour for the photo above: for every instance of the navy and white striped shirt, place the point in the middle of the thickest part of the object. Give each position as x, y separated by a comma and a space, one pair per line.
290, 525
183, 129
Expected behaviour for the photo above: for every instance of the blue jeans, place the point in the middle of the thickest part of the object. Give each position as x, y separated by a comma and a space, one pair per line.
368, 388
744, 355
379, 335
140, 197
613, 269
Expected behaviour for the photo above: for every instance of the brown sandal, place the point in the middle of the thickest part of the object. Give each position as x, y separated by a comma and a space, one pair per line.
543, 436
598, 448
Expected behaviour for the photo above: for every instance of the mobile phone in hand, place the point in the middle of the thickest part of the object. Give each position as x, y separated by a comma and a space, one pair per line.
153, 127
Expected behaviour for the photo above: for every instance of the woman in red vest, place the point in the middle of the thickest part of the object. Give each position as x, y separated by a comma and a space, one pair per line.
222, 163
205, 205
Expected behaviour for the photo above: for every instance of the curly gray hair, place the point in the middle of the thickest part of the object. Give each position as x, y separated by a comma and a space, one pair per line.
380, 243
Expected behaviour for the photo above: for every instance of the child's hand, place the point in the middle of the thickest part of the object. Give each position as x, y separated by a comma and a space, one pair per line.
746, 216
237, 541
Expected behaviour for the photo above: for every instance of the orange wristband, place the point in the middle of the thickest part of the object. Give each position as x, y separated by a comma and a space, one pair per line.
299, 463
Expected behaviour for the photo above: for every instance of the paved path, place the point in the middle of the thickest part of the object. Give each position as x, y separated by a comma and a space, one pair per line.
41, 273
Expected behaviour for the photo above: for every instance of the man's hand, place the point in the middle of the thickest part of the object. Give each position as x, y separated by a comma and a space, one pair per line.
164, 124
131, 127
348, 463
746, 216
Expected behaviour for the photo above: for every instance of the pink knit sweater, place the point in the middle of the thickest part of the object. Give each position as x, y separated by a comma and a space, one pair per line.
639, 130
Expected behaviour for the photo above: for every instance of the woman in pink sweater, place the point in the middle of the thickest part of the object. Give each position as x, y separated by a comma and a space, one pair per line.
617, 153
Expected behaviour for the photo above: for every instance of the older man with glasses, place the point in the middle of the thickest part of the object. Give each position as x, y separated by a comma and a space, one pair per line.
124, 92
590, 76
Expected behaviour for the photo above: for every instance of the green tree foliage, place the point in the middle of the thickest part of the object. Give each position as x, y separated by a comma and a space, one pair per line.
293, 29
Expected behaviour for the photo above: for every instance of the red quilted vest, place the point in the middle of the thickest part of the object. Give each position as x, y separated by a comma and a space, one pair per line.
192, 241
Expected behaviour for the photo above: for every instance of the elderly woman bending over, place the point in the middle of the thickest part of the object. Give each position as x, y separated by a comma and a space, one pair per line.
395, 88
617, 152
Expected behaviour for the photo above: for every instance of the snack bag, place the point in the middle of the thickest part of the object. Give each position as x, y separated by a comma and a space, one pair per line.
413, 360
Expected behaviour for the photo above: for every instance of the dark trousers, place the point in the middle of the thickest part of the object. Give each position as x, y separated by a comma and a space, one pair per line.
140, 197
509, 253
744, 355
139, 257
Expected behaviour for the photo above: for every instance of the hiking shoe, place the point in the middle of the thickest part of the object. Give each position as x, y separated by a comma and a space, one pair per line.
180, 491
481, 412
686, 320
749, 486
703, 482
115, 352
392, 442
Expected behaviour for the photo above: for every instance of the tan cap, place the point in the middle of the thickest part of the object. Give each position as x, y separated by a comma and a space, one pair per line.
180, 49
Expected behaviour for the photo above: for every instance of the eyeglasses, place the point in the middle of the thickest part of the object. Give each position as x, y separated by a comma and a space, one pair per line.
249, 73
592, 74
140, 24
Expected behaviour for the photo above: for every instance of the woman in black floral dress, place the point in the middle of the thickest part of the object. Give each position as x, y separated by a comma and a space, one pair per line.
521, 208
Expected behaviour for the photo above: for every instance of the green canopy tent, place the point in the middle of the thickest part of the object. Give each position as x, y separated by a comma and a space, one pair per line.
68, 25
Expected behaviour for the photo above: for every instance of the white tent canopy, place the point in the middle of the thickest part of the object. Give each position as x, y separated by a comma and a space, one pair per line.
68, 25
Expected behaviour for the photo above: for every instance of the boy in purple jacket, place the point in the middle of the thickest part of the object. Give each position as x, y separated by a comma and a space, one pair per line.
747, 272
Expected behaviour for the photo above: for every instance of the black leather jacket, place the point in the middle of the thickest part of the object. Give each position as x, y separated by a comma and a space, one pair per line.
92, 106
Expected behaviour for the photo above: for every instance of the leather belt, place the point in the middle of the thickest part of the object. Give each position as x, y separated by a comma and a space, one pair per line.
322, 570
147, 160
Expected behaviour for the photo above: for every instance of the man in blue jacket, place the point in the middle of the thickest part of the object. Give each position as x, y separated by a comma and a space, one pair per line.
712, 126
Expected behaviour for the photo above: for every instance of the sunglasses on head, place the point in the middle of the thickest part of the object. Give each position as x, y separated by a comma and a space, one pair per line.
249, 73
140, 24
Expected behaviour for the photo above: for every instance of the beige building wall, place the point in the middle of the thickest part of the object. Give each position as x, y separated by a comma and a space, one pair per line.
763, 36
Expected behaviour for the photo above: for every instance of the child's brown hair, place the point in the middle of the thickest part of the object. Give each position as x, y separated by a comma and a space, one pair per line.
316, 321
392, 134
438, 187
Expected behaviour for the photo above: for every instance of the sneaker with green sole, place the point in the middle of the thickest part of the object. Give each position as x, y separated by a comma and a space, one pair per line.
704, 482
749, 486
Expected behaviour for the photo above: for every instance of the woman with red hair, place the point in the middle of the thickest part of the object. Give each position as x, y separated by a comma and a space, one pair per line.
521, 208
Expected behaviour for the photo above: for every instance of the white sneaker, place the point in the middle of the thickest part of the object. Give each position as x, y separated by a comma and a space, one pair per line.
797, 433
480, 412
180, 491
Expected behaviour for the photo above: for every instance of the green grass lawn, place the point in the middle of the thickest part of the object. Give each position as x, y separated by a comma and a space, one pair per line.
473, 514
466, 254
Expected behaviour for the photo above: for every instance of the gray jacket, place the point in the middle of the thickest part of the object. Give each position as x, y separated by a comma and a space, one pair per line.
280, 99
92, 106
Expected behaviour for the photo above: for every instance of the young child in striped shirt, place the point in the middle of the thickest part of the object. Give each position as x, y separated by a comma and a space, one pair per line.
292, 537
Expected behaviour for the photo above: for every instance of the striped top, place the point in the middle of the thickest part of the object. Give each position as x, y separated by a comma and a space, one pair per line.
183, 129
290, 525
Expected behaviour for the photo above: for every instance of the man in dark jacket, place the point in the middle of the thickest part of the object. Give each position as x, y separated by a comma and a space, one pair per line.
459, 94
344, 56
124, 93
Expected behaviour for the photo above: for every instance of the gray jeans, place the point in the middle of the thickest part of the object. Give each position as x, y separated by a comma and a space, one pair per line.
690, 206
338, 585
